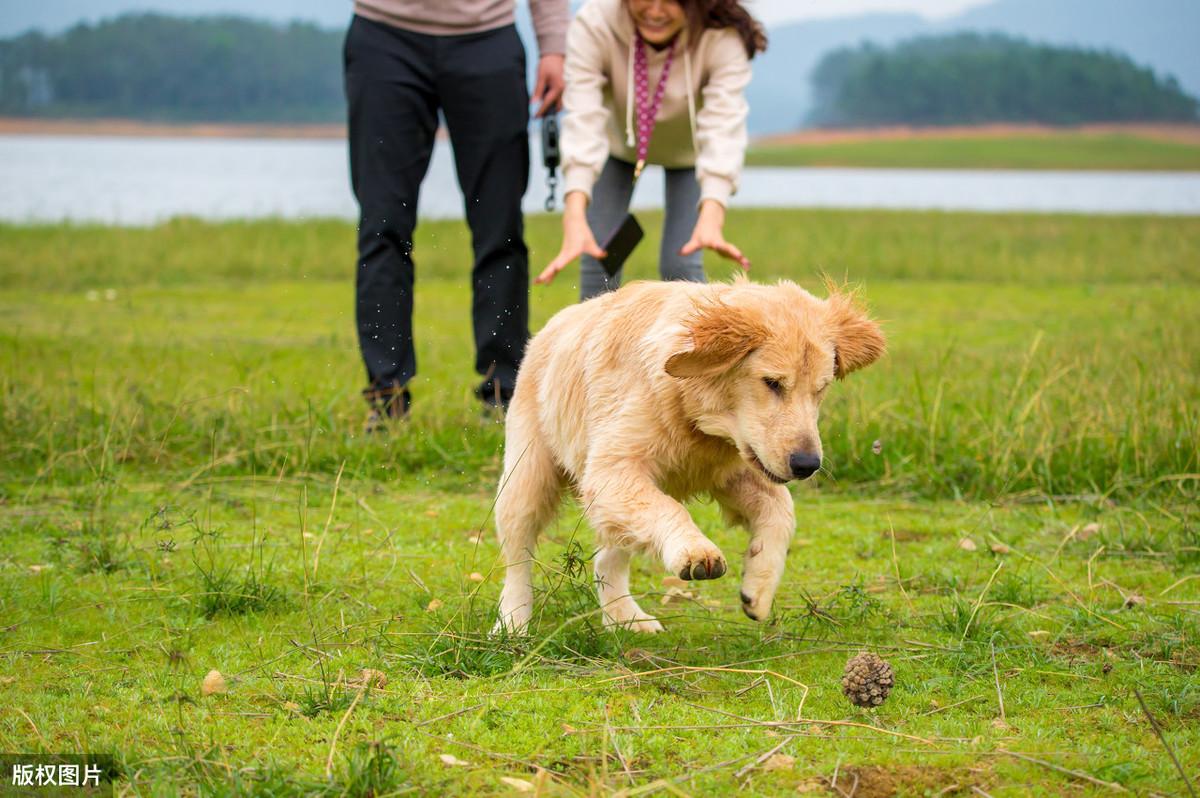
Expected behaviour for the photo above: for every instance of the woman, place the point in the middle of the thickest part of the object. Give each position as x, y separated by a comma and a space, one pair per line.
660, 82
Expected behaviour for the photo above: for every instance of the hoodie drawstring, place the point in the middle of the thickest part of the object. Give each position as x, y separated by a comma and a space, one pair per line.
630, 139
691, 97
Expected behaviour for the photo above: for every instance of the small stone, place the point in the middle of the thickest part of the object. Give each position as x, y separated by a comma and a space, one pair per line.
434, 605
877, 447
677, 594
373, 678
1134, 600
638, 655
1000, 548
520, 785
867, 680
475, 576
966, 544
779, 762
452, 760
213, 683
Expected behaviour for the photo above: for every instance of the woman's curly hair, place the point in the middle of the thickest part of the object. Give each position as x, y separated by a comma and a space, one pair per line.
705, 14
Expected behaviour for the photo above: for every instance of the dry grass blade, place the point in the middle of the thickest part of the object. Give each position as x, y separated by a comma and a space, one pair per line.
1078, 774
996, 676
328, 520
447, 716
979, 602
1162, 739
896, 564
792, 724
764, 757
338, 731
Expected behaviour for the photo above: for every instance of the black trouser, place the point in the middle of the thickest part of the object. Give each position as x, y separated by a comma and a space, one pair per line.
396, 81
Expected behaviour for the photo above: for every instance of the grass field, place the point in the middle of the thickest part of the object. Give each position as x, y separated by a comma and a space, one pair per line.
1065, 150
183, 488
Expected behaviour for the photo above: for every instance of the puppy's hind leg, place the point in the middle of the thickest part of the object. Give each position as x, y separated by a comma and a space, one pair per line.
611, 568
528, 500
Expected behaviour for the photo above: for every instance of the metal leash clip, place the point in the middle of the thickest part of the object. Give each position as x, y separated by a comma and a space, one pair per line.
551, 157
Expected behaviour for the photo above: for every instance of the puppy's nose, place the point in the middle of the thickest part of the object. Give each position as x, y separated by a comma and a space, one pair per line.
804, 464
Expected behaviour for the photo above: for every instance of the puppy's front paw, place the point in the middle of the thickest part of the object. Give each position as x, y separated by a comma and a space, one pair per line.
702, 564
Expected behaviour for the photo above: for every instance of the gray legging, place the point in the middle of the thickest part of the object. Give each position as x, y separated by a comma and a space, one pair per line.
610, 203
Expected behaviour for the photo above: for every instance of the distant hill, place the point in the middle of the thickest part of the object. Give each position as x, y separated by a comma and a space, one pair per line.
781, 94
168, 68
979, 79
1158, 33
55, 16
1161, 34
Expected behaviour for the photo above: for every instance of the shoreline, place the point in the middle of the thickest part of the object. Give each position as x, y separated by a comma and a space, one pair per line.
129, 128
1186, 133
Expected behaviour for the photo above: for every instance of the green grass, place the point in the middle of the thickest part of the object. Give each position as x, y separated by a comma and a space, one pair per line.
183, 488
1087, 151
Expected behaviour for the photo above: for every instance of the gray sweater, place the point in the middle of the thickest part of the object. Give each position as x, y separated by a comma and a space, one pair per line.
454, 17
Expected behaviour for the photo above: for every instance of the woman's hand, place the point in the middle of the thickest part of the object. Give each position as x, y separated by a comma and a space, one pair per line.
577, 238
708, 235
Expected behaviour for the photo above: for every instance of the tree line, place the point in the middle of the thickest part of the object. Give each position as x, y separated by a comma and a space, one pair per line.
158, 67
973, 78
230, 69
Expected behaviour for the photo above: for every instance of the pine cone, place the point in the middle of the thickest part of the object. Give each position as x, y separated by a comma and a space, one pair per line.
867, 680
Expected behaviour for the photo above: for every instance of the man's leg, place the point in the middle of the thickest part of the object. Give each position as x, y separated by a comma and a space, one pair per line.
610, 203
393, 118
481, 85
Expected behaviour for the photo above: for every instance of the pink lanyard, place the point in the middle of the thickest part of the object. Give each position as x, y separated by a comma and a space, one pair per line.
647, 111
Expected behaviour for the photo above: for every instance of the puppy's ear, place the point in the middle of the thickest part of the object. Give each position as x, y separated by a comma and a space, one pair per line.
857, 340
721, 336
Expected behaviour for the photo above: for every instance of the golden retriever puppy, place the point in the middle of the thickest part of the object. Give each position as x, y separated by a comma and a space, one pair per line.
641, 398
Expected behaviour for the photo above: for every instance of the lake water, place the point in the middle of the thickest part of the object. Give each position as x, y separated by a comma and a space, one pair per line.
131, 181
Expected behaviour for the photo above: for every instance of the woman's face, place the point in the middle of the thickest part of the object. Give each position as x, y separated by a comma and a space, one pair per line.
658, 21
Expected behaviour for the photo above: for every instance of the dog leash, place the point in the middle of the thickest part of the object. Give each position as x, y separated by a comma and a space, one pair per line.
551, 157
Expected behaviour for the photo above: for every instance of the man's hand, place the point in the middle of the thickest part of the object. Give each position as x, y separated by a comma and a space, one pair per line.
577, 238
708, 235
548, 90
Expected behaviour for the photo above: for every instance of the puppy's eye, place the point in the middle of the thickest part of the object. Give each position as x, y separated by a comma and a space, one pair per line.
775, 385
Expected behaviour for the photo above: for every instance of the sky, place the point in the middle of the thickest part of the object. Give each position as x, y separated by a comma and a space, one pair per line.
19, 15
773, 12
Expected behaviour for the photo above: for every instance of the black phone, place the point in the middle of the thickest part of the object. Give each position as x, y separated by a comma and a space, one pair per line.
621, 243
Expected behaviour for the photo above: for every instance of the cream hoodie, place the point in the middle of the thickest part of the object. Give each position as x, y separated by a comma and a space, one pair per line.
702, 120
